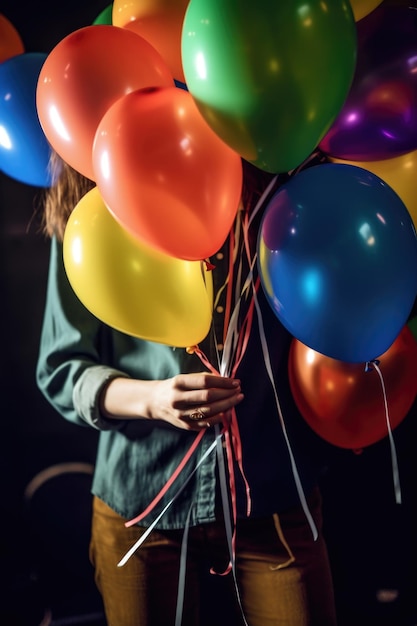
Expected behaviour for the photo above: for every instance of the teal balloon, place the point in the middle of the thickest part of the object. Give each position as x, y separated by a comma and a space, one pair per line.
269, 76
105, 17
337, 256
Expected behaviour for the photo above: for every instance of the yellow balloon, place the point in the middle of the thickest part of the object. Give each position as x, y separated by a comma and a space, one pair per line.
400, 173
131, 287
363, 7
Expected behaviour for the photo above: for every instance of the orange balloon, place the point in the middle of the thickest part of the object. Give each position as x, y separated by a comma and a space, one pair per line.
343, 403
400, 173
361, 8
165, 175
159, 22
11, 43
81, 78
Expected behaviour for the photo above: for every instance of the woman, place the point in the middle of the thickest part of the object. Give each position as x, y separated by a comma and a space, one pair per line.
244, 511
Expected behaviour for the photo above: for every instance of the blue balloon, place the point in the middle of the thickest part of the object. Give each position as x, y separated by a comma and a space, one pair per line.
24, 149
337, 257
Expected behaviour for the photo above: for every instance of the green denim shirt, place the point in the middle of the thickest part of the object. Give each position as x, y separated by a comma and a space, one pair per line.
79, 354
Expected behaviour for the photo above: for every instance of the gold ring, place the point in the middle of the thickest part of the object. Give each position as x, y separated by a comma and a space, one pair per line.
197, 415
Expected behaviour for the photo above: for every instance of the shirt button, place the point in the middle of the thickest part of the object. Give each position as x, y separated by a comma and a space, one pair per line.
219, 309
220, 346
220, 256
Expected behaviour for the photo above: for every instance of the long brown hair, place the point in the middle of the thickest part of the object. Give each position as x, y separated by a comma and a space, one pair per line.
61, 198
70, 186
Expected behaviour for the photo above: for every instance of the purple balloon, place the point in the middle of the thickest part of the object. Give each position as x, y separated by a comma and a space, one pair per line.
379, 118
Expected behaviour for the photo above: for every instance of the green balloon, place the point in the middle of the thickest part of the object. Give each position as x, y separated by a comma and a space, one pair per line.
269, 76
105, 17
412, 325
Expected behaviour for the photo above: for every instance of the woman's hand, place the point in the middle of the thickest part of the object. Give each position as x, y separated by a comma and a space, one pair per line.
188, 401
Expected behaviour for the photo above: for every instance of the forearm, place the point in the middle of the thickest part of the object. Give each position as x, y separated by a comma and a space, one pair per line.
172, 400
127, 398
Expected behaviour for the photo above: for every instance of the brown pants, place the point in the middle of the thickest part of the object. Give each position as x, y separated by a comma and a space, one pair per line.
283, 575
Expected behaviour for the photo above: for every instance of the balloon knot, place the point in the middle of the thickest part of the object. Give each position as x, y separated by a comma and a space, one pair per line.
357, 451
368, 365
209, 266
191, 349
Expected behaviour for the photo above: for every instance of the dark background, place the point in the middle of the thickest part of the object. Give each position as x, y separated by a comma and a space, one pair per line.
46, 577
44, 540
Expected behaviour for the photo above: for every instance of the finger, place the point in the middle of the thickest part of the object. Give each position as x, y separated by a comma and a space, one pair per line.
214, 400
223, 406
215, 408
204, 380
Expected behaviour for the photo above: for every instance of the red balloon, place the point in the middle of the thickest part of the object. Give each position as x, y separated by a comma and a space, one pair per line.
343, 403
11, 43
165, 175
83, 76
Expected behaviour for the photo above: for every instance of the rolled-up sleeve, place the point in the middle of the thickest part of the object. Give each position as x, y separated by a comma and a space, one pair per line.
86, 395
69, 371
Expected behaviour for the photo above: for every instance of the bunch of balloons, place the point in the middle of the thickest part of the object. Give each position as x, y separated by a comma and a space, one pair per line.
158, 103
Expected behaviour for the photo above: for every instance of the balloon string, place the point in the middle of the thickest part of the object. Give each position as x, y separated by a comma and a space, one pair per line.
169, 482
262, 200
197, 350
233, 444
228, 516
243, 338
183, 569
394, 459
235, 339
235, 344
252, 261
284, 429
148, 531
229, 280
